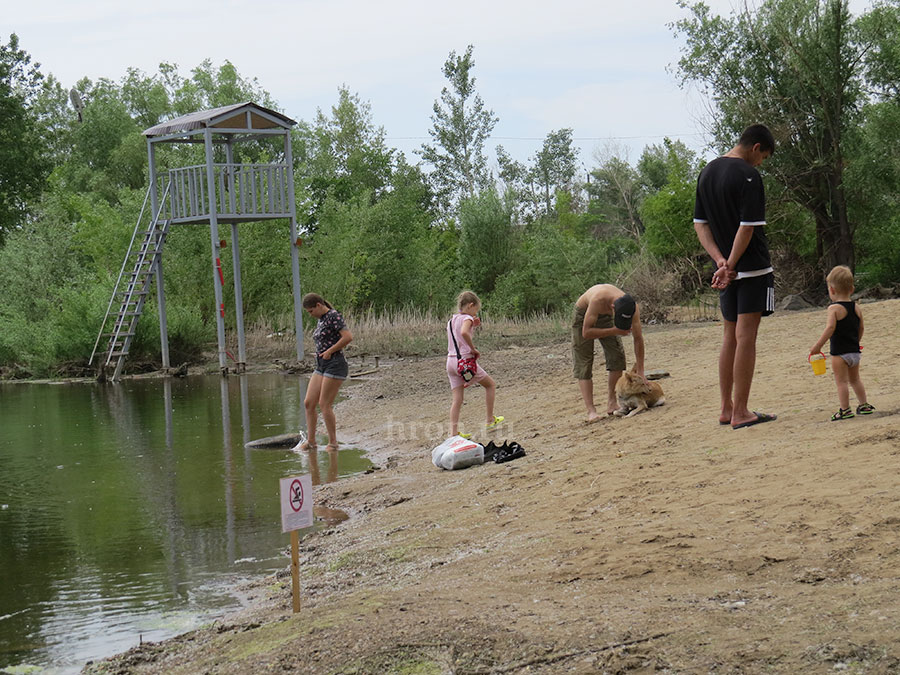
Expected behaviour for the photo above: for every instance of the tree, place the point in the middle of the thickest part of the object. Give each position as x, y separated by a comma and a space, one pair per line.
23, 161
516, 178
616, 194
485, 240
554, 165
460, 127
343, 156
795, 65
668, 218
551, 171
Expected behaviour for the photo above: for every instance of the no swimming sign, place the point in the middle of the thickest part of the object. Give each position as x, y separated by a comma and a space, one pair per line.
296, 503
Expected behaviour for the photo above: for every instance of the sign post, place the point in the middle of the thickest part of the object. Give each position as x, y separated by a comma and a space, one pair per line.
296, 514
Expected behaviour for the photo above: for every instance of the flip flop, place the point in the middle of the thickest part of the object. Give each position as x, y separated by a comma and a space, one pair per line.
498, 420
760, 418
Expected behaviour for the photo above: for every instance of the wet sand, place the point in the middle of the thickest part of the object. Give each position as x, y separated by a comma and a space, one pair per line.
660, 542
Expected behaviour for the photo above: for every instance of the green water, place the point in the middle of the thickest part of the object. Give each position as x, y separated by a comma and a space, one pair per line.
131, 511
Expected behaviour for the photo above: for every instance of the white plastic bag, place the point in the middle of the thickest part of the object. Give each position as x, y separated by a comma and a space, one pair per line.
457, 453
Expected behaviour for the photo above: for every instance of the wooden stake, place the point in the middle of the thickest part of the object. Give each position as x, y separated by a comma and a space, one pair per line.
295, 569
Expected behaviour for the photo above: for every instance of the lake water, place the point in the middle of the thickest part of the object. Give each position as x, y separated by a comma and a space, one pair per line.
131, 511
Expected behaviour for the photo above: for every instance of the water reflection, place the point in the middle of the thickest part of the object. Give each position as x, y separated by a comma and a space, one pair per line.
133, 508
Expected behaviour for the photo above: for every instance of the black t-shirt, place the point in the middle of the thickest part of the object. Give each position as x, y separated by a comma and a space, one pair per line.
730, 194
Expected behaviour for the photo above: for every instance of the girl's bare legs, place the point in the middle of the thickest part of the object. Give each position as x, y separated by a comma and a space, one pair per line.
455, 408
841, 376
313, 391
490, 391
328, 393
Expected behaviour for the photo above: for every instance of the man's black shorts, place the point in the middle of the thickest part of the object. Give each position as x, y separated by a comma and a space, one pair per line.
747, 296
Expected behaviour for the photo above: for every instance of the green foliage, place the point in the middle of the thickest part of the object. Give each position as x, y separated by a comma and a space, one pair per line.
382, 255
380, 236
23, 154
668, 213
485, 240
460, 127
794, 65
343, 156
48, 305
554, 166
550, 269
552, 171
875, 178
616, 195
668, 217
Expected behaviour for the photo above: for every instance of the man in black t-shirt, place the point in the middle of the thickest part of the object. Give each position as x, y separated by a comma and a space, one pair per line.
729, 215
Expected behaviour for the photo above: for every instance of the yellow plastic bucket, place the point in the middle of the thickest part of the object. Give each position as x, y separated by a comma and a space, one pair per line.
817, 361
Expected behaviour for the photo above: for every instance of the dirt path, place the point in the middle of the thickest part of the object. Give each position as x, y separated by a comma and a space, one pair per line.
662, 542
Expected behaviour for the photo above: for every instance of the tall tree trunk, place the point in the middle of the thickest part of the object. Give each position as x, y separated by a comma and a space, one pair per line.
843, 252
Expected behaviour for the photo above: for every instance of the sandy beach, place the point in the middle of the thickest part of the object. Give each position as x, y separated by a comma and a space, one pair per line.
663, 542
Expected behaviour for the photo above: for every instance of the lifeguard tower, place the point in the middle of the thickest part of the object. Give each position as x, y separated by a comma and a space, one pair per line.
213, 193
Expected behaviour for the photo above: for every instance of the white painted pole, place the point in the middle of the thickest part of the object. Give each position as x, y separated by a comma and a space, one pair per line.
214, 239
160, 285
295, 254
238, 293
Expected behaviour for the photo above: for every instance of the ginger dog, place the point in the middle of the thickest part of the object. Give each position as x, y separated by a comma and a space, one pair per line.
636, 395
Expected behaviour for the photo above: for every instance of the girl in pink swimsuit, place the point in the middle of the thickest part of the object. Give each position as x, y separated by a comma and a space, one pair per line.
459, 329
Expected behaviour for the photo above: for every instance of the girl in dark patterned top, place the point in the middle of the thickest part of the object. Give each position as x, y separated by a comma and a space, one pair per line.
331, 336
844, 327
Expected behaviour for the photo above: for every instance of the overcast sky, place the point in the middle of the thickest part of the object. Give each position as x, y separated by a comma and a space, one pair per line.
599, 67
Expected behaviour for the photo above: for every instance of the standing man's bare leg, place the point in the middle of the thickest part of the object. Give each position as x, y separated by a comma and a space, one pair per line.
587, 395
726, 371
744, 365
612, 404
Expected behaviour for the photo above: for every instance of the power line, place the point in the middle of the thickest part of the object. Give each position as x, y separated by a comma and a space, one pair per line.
541, 138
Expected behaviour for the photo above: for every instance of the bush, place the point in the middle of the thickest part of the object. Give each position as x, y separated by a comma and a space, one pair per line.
551, 269
653, 285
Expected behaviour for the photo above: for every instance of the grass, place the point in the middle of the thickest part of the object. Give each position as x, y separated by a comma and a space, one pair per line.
421, 333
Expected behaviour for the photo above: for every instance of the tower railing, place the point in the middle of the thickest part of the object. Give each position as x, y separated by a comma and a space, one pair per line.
241, 192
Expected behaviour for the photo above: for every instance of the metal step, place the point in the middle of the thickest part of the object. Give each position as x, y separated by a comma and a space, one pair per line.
133, 284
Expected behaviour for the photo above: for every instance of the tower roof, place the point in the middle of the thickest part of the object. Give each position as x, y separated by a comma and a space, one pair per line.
239, 117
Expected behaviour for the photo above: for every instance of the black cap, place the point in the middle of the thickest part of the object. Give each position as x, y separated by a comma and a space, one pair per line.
624, 312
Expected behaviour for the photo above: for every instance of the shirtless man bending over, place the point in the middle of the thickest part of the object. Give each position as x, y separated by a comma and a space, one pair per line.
605, 313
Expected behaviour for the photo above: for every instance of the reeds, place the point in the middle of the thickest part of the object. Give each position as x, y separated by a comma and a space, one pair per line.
406, 332
416, 332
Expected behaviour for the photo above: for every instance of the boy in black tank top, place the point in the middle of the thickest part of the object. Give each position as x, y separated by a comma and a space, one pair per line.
844, 327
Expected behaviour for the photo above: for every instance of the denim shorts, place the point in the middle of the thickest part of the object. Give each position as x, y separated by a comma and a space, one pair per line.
336, 367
